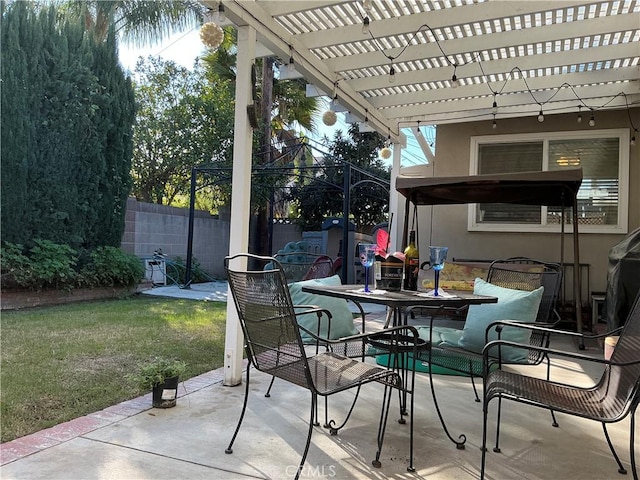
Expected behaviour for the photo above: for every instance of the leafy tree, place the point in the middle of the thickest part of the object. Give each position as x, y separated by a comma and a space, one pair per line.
282, 104
184, 119
139, 22
322, 195
66, 132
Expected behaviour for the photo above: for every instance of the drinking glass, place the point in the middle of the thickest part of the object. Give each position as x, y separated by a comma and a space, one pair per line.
437, 256
367, 257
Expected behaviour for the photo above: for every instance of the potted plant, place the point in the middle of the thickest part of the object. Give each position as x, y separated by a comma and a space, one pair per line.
162, 376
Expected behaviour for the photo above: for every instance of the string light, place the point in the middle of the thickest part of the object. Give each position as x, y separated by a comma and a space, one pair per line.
592, 121
633, 139
291, 64
221, 15
495, 124
392, 74
454, 79
365, 26
367, 5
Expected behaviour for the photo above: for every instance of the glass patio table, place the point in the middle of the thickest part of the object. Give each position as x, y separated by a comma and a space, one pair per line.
398, 302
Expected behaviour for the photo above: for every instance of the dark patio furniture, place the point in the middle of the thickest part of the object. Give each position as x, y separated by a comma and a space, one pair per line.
558, 188
401, 352
305, 266
515, 273
615, 395
273, 345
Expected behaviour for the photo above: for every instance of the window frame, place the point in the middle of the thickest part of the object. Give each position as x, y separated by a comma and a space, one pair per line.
621, 226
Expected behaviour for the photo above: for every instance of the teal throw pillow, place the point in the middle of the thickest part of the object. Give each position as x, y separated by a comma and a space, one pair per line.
341, 320
517, 305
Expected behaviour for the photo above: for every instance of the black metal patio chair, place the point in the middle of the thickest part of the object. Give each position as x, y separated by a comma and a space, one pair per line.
614, 396
305, 266
273, 345
516, 273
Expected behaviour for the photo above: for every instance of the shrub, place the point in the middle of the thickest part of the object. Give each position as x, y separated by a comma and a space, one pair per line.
46, 264
110, 266
51, 265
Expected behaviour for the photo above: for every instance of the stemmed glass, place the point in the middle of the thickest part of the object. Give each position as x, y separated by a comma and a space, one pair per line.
437, 256
367, 257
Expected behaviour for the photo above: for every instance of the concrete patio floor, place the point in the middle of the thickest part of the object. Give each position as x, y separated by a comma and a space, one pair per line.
134, 441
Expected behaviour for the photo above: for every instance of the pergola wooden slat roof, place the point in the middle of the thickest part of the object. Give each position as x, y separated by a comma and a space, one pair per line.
550, 55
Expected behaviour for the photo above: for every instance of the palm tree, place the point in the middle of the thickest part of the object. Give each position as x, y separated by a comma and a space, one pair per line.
137, 22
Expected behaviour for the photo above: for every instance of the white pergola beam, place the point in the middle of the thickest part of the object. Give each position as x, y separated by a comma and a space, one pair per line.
548, 33
482, 91
542, 61
475, 13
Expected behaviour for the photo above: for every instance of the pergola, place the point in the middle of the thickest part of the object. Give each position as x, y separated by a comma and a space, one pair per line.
396, 64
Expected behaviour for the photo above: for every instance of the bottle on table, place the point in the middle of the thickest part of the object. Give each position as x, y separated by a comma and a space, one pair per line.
411, 263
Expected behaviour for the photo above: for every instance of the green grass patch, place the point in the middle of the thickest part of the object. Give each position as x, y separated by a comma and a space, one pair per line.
59, 363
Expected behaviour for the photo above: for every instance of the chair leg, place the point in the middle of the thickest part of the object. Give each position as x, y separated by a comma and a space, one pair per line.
554, 422
473, 384
632, 445
485, 411
462, 437
621, 469
268, 393
314, 402
411, 468
244, 409
497, 447
330, 424
384, 415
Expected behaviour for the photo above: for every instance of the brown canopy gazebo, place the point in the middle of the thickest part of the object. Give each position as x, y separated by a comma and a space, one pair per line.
551, 188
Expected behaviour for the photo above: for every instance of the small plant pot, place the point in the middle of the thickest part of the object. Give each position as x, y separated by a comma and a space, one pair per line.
165, 394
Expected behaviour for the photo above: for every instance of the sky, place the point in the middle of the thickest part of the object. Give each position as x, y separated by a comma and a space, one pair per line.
183, 48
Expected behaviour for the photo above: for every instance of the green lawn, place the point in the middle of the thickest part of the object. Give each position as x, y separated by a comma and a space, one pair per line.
59, 363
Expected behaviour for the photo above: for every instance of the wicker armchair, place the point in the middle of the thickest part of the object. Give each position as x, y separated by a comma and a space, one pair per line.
514, 273
273, 345
614, 396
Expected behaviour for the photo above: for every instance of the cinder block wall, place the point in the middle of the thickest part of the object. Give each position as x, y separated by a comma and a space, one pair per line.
149, 227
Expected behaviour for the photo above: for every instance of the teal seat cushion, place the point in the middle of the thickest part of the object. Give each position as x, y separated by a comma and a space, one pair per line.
341, 320
517, 305
441, 335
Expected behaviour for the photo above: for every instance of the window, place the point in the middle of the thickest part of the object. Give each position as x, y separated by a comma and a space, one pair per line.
603, 195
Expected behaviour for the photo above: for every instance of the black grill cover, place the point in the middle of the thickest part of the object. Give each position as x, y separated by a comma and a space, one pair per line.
623, 279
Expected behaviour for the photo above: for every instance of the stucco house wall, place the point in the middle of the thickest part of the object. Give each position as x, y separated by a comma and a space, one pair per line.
449, 224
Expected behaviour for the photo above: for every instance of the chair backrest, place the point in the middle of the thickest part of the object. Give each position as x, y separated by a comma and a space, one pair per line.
267, 317
621, 384
304, 266
523, 273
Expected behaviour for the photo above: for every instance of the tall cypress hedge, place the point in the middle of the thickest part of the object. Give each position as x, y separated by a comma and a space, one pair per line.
67, 122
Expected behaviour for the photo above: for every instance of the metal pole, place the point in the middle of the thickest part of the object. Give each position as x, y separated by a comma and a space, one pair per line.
347, 258
192, 206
